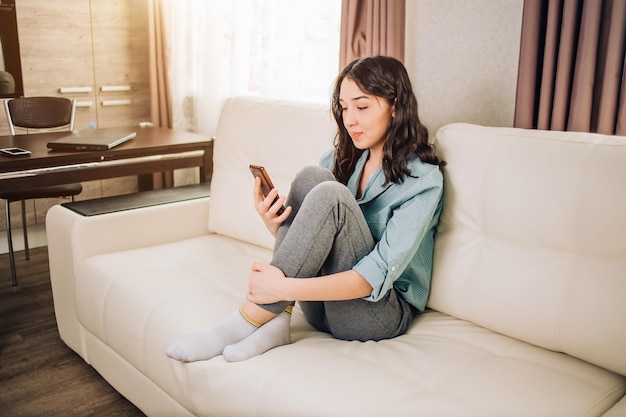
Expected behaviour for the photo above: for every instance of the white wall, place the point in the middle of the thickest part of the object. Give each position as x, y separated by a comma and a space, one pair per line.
462, 56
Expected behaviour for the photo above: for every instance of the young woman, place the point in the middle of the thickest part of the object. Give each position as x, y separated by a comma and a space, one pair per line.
354, 246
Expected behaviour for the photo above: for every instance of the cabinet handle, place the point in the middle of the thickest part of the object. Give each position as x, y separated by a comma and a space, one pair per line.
109, 88
69, 90
107, 103
84, 103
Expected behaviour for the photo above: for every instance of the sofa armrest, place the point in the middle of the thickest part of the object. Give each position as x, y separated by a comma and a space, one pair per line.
72, 238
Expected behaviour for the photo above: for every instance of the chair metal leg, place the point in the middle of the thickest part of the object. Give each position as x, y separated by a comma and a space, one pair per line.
25, 231
10, 242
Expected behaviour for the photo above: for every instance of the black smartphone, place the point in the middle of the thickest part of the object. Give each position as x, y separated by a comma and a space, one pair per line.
266, 183
15, 151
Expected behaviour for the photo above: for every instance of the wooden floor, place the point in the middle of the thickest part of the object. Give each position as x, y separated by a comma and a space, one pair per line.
39, 374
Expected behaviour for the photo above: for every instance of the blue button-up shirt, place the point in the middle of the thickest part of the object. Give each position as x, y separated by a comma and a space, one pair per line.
403, 219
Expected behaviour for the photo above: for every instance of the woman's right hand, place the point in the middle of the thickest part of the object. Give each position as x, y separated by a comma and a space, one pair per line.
267, 210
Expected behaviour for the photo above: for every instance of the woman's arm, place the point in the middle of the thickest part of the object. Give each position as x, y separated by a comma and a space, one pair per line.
404, 232
268, 285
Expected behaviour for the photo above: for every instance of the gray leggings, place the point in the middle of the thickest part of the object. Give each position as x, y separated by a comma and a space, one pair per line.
327, 233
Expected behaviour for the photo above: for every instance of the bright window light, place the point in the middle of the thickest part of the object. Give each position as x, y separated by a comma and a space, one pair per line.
281, 49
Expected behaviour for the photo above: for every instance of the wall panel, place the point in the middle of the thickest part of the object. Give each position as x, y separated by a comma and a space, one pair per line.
462, 57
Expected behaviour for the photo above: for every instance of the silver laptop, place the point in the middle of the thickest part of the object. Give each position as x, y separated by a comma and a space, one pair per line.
91, 140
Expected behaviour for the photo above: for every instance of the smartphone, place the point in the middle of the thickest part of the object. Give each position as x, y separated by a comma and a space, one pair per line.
15, 151
266, 183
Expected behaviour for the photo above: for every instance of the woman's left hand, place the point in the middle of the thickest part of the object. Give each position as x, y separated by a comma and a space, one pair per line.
266, 284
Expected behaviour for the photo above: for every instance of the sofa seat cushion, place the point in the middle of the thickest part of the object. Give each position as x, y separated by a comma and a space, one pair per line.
140, 301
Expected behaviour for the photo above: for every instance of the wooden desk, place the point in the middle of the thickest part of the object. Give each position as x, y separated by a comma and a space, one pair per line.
152, 150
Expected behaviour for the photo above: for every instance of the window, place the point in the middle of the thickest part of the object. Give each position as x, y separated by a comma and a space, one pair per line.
274, 48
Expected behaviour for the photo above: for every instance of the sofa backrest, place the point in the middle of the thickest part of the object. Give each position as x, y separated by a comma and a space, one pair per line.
532, 239
280, 135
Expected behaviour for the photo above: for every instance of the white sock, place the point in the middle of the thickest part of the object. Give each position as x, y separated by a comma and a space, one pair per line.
210, 341
274, 333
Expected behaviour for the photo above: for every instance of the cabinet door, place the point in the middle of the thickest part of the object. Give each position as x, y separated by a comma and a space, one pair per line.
56, 51
120, 50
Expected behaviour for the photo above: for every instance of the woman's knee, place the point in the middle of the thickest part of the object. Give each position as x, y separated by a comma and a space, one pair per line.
333, 191
307, 179
310, 176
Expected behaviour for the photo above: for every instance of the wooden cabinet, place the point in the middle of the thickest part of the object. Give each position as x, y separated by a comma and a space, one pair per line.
120, 46
95, 51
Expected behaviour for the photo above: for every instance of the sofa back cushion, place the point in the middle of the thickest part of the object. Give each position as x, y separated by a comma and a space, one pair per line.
532, 239
280, 135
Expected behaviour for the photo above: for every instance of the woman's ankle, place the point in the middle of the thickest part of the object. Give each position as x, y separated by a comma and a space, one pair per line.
256, 314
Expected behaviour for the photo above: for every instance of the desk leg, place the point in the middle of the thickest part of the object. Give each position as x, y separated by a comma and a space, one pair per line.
206, 170
155, 181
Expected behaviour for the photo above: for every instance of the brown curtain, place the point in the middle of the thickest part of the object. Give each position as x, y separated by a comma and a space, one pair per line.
571, 69
371, 27
160, 97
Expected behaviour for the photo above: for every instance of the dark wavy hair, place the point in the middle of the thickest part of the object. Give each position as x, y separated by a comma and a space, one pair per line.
384, 77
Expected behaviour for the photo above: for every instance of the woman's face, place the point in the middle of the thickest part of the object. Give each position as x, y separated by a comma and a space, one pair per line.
365, 116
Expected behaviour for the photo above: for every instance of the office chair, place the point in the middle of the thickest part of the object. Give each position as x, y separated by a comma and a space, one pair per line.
36, 114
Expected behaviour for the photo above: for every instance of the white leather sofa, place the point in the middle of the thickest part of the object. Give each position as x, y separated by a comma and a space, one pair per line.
527, 314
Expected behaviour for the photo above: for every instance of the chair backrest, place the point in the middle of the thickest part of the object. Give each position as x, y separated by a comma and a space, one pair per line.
40, 113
